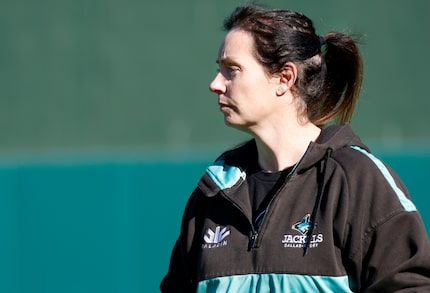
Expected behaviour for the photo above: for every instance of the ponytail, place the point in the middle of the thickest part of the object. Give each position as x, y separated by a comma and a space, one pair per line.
343, 68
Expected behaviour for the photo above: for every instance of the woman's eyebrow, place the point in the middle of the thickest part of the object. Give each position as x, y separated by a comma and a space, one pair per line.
225, 60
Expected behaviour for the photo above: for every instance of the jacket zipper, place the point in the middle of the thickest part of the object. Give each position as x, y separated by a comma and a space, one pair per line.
253, 237
256, 232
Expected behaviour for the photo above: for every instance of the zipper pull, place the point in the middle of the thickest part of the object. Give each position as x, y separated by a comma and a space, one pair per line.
252, 240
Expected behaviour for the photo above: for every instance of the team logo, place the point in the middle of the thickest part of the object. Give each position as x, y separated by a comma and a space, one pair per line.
216, 238
300, 240
304, 225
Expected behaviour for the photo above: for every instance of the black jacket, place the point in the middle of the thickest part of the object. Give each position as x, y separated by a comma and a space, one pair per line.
341, 221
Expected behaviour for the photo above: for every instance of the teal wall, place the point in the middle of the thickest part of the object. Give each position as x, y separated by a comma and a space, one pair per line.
102, 100
99, 227
109, 226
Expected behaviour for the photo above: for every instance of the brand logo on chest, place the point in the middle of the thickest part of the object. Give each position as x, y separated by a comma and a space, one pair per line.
217, 238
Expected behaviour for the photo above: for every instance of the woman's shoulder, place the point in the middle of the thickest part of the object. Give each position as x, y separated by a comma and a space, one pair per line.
357, 158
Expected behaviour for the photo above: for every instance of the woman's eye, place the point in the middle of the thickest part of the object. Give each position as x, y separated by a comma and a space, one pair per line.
233, 68
229, 71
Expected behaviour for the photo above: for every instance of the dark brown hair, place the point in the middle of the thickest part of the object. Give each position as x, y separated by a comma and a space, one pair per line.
329, 67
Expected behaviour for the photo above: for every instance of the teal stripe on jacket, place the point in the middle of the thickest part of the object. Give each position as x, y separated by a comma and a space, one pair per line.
225, 176
406, 203
282, 283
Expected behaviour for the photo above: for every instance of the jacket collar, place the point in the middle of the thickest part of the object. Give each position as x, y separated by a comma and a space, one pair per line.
228, 171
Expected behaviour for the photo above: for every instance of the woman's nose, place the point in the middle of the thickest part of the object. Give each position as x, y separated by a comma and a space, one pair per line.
217, 85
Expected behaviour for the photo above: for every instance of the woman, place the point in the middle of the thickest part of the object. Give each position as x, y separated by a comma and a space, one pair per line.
301, 207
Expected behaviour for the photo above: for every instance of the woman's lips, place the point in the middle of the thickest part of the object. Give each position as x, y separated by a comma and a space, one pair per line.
223, 107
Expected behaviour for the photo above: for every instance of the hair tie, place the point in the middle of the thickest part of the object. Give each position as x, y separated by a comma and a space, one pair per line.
322, 40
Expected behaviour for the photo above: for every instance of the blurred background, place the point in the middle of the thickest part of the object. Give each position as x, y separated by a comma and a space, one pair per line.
106, 124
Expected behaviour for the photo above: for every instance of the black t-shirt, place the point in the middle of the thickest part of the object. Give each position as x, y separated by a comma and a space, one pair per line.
262, 187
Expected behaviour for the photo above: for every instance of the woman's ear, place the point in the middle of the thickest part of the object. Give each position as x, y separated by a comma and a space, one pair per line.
287, 78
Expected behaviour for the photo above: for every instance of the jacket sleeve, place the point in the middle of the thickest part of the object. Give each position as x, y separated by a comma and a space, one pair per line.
181, 275
387, 243
398, 259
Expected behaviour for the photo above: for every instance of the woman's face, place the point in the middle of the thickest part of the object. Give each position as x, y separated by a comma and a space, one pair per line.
246, 93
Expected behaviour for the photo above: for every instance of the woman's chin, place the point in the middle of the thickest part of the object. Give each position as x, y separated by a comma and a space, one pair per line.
235, 124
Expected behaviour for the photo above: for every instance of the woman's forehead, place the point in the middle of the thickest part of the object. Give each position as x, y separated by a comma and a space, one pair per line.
236, 44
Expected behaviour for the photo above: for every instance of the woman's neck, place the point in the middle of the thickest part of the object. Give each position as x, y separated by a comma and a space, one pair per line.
280, 148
